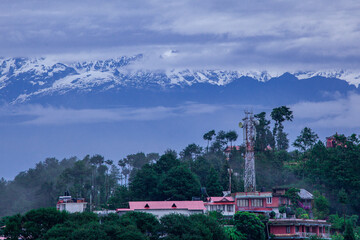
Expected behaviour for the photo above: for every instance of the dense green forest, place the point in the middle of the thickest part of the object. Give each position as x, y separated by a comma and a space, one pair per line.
333, 172
50, 224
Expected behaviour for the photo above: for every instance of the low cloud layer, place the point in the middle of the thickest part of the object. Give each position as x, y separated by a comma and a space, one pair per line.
341, 113
39, 115
223, 34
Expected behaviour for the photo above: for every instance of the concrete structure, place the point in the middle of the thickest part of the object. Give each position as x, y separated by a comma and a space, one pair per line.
298, 228
265, 202
71, 205
161, 208
104, 212
306, 199
225, 205
257, 202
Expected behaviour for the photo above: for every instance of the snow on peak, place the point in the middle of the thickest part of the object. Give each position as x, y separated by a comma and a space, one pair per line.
46, 76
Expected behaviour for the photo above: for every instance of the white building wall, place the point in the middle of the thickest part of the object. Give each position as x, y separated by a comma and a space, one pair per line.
162, 212
222, 208
72, 207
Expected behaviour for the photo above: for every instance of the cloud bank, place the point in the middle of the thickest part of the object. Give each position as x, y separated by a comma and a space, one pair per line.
214, 34
40, 115
341, 113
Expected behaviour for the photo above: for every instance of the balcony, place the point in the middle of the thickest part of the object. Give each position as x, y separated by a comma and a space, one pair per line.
301, 235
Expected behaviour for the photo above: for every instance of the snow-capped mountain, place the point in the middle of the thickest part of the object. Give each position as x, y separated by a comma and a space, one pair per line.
21, 79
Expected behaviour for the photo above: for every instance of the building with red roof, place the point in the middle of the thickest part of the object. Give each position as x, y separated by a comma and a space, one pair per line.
71, 205
225, 205
298, 228
161, 208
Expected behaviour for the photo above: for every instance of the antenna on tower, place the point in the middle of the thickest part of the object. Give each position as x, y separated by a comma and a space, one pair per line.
249, 132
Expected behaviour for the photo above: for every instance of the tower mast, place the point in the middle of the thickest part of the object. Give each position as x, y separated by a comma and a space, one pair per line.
249, 131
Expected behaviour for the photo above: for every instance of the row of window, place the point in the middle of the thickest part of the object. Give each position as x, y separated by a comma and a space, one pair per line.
254, 202
307, 229
229, 208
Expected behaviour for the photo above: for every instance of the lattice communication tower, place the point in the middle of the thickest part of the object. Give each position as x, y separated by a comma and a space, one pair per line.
249, 131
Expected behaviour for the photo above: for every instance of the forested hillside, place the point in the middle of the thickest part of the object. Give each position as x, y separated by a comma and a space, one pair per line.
333, 172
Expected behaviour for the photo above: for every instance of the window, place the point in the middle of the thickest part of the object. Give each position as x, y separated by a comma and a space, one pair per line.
287, 229
256, 202
229, 208
243, 202
269, 200
307, 229
296, 228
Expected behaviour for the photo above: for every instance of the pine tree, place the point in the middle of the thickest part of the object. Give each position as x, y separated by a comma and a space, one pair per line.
213, 186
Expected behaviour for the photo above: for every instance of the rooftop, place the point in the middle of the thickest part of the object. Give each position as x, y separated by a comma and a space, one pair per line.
220, 199
288, 221
304, 194
164, 205
253, 194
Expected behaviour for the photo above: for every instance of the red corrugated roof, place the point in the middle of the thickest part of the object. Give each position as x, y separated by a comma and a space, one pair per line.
229, 148
221, 199
190, 205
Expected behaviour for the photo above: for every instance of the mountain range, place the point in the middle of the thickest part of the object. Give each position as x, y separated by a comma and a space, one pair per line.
116, 82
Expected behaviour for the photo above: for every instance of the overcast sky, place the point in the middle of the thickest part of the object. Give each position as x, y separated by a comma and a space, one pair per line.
284, 35
213, 33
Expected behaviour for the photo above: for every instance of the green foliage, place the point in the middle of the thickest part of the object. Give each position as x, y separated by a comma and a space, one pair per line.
144, 184
146, 223
83, 218
208, 137
349, 231
213, 186
301, 213
166, 179
306, 139
315, 237
191, 152
13, 227
282, 209
337, 236
197, 226
217, 215
120, 198
334, 171
166, 162
233, 234
179, 184
292, 194
264, 136
337, 222
321, 206
279, 115
92, 230
343, 197
249, 225
34, 224
231, 137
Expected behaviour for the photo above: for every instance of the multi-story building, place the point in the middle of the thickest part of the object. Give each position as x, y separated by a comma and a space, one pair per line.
266, 202
257, 202
161, 208
71, 205
298, 228
225, 205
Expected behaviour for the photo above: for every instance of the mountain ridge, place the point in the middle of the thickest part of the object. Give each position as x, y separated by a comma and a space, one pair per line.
23, 79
